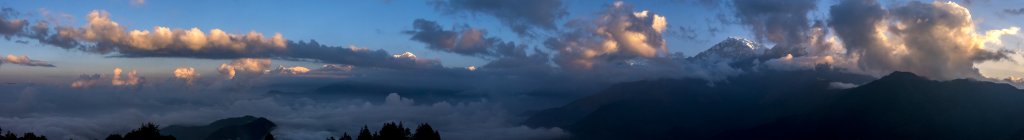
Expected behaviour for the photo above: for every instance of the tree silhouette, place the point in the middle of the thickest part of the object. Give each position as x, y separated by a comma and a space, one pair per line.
148, 131
364, 134
28, 136
393, 131
345, 137
425, 132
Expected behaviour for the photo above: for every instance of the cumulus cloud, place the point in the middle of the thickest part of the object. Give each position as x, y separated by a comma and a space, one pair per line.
130, 79
938, 40
619, 34
520, 15
245, 68
106, 36
86, 81
188, 74
24, 61
291, 70
468, 41
103, 35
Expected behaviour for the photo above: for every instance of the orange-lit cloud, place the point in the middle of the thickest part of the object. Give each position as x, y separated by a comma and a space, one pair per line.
25, 61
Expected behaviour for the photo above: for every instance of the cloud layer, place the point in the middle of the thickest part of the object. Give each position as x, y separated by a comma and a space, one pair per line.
102, 35
24, 61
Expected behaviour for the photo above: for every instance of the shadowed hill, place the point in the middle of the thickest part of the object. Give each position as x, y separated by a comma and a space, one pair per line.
795, 105
906, 106
243, 128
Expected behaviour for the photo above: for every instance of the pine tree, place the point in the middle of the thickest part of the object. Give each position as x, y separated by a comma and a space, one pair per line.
425, 132
10, 136
364, 134
148, 131
393, 131
345, 137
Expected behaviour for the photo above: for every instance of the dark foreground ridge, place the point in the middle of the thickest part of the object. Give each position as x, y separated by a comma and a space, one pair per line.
900, 105
247, 128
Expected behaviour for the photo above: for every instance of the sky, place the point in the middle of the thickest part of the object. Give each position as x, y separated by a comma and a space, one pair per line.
498, 54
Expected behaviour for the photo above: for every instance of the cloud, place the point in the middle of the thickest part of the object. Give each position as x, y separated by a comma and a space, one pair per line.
783, 22
186, 73
107, 36
937, 40
98, 112
1014, 11
131, 79
291, 70
138, 2
246, 68
619, 34
355, 56
468, 41
520, 15
841, 85
336, 67
8, 26
24, 61
86, 81
102, 35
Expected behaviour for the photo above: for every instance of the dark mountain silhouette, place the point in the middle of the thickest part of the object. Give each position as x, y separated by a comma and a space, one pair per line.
905, 106
240, 128
802, 106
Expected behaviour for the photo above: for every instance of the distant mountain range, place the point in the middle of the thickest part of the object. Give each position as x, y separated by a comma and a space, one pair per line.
240, 128
795, 105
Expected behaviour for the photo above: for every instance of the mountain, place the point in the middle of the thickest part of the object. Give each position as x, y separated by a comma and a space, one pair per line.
655, 108
732, 48
239, 128
906, 106
757, 106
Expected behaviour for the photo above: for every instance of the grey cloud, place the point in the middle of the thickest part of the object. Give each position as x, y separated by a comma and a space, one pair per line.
1014, 11
784, 22
520, 15
9, 26
467, 41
